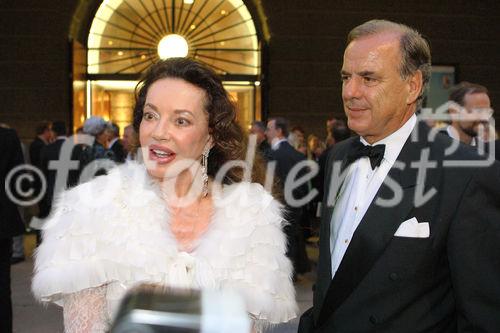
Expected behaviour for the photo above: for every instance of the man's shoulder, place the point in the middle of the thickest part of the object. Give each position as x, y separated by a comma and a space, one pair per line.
341, 148
7, 134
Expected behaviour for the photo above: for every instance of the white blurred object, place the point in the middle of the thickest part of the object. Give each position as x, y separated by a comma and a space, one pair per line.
155, 310
223, 312
36, 223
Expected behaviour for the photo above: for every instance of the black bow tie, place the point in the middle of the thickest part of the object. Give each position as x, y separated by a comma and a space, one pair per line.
374, 153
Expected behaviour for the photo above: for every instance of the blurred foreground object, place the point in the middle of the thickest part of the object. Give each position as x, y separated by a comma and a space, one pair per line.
149, 309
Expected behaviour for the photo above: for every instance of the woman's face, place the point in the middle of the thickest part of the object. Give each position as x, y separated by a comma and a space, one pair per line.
174, 126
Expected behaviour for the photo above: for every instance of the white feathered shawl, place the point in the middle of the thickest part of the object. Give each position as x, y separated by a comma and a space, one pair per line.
115, 230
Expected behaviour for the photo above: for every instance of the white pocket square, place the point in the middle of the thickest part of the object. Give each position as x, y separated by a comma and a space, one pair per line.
412, 228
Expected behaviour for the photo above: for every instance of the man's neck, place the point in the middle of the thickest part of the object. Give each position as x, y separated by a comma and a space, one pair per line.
41, 137
462, 136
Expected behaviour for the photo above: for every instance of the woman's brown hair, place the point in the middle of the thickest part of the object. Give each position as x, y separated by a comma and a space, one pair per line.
229, 141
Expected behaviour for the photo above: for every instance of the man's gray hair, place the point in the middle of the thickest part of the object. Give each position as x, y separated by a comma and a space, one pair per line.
415, 50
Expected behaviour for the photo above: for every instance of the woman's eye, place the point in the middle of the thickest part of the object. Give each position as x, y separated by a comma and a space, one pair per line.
148, 115
182, 122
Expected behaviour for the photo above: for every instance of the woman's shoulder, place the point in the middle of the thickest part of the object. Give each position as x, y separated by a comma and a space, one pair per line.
103, 231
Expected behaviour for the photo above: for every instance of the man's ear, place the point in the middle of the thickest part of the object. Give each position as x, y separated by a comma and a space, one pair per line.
415, 83
454, 111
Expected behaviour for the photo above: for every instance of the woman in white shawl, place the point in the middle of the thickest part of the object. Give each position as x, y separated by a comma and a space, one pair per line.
189, 217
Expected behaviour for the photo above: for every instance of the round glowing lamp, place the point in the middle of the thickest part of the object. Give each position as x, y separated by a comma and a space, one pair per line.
172, 46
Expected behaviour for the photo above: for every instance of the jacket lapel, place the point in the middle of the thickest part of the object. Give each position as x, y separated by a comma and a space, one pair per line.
375, 230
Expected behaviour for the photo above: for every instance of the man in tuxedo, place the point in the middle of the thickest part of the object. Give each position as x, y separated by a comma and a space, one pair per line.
11, 223
410, 231
286, 157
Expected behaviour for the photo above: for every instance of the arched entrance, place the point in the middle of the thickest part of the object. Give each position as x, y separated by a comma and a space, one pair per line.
126, 36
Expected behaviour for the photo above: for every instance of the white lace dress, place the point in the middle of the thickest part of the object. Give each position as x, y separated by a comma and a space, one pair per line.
112, 233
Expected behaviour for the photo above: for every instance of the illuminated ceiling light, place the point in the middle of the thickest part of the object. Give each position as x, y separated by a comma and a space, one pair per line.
257, 83
110, 42
120, 53
192, 27
172, 46
223, 12
188, 2
222, 43
143, 56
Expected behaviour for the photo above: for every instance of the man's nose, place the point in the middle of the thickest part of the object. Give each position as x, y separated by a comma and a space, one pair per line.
351, 88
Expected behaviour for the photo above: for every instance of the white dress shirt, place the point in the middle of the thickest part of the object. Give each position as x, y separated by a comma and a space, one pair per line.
276, 143
359, 188
112, 142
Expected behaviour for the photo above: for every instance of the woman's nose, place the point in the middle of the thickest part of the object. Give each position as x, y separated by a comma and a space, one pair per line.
161, 131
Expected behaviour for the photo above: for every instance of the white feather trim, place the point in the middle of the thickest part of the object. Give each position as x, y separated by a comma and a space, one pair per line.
115, 230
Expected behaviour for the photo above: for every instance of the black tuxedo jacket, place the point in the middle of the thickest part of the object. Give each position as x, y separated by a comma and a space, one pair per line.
448, 282
11, 223
119, 152
286, 158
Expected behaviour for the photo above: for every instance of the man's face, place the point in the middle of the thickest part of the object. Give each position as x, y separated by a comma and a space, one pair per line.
476, 110
256, 130
271, 132
377, 101
128, 138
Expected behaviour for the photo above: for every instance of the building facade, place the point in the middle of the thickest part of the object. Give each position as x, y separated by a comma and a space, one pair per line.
300, 45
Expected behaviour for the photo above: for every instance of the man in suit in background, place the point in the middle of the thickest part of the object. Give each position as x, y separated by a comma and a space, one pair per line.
44, 136
115, 144
259, 129
471, 110
11, 223
410, 232
286, 157
50, 153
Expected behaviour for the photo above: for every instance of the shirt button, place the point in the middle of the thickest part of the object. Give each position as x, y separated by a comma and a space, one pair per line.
373, 320
346, 241
356, 208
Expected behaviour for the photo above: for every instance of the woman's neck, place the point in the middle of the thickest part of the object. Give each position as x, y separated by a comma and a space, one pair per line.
183, 190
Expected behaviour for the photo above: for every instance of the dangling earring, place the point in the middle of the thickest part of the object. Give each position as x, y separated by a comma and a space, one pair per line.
204, 170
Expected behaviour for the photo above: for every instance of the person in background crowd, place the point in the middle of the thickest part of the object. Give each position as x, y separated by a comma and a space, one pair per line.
469, 113
50, 153
339, 132
259, 129
407, 243
309, 222
11, 223
286, 157
297, 139
315, 147
131, 144
44, 136
98, 151
115, 144
18, 241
